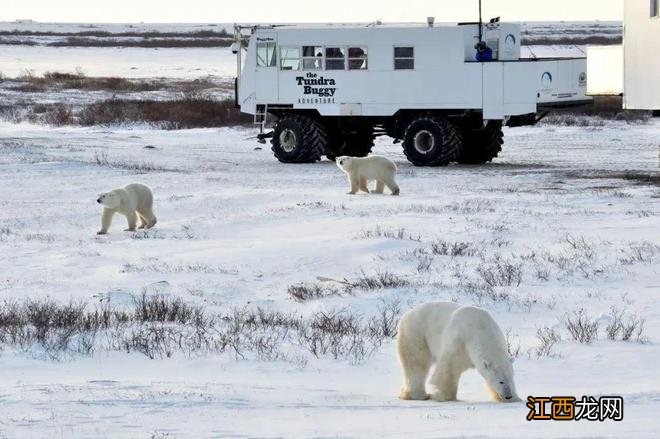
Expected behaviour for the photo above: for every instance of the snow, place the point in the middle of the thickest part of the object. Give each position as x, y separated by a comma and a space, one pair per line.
125, 62
261, 226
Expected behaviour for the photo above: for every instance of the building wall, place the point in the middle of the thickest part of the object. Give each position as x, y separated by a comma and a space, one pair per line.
642, 57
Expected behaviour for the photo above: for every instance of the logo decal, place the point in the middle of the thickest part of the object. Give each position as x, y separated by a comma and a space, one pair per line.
317, 86
546, 79
510, 41
582, 80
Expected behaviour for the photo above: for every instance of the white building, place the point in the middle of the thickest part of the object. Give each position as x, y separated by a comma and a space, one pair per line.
641, 44
631, 70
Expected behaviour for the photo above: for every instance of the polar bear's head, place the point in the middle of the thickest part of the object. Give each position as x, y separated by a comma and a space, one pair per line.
499, 380
344, 162
110, 200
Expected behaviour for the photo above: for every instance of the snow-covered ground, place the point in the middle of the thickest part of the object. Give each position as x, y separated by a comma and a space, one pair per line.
576, 209
125, 62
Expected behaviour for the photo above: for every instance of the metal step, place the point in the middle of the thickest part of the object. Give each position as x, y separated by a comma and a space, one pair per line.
261, 116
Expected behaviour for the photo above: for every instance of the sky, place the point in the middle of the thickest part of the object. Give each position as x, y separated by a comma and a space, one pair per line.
223, 11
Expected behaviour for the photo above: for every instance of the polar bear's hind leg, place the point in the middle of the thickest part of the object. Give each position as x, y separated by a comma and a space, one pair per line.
143, 222
415, 362
380, 186
364, 185
148, 218
391, 184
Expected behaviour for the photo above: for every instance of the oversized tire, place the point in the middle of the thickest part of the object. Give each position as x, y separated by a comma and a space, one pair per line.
357, 142
298, 139
482, 145
431, 141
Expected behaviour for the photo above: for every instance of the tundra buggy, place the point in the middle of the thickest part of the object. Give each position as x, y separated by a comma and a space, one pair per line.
443, 91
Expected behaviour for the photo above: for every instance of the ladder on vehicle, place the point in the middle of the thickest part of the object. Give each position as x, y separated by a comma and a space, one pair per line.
260, 117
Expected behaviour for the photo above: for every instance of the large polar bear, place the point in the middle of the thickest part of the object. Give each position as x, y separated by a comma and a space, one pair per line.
133, 201
362, 169
454, 338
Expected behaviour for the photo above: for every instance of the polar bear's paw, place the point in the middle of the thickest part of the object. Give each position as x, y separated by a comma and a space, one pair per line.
407, 395
442, 397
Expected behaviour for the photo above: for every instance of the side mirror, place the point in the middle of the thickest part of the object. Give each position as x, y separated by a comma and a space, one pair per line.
235, 47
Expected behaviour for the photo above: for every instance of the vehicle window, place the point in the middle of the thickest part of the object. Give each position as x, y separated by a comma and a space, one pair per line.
312, 57
335, 58
290, 58
404, 58
357, 58
266, 56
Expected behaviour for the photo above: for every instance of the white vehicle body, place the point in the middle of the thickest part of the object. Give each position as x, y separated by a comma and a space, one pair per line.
443, 91
445, 76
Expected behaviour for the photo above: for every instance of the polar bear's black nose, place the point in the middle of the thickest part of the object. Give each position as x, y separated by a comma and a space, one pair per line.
508, 397
98, 201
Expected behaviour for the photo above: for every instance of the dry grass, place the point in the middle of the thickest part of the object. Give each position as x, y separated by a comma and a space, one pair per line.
97, 38
147, 42
602, 110
187, 112
53, 81
643, 178
102, 159
162, 326
127, 34
305, 291
596, 40
380, 232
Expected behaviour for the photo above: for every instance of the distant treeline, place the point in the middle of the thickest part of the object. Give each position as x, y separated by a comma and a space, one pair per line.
222, 33
150, 43
594, 40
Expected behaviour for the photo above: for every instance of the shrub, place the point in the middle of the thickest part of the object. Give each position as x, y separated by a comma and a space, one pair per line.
623, 329
582, 328
303, 292
500, 272
547, 339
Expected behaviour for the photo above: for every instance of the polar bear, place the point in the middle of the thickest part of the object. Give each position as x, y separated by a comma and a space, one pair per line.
362, 169
454, 338
133, 201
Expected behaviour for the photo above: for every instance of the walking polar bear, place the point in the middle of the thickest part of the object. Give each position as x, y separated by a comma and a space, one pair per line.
455, 338
133, 201
362, 169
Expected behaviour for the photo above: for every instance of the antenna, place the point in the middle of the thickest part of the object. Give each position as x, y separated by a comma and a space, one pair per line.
480, 26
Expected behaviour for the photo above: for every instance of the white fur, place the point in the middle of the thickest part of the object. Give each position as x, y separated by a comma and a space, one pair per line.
133, 201
360, 170
454, 338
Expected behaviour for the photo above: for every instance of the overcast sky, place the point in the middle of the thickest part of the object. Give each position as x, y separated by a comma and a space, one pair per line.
223, 11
